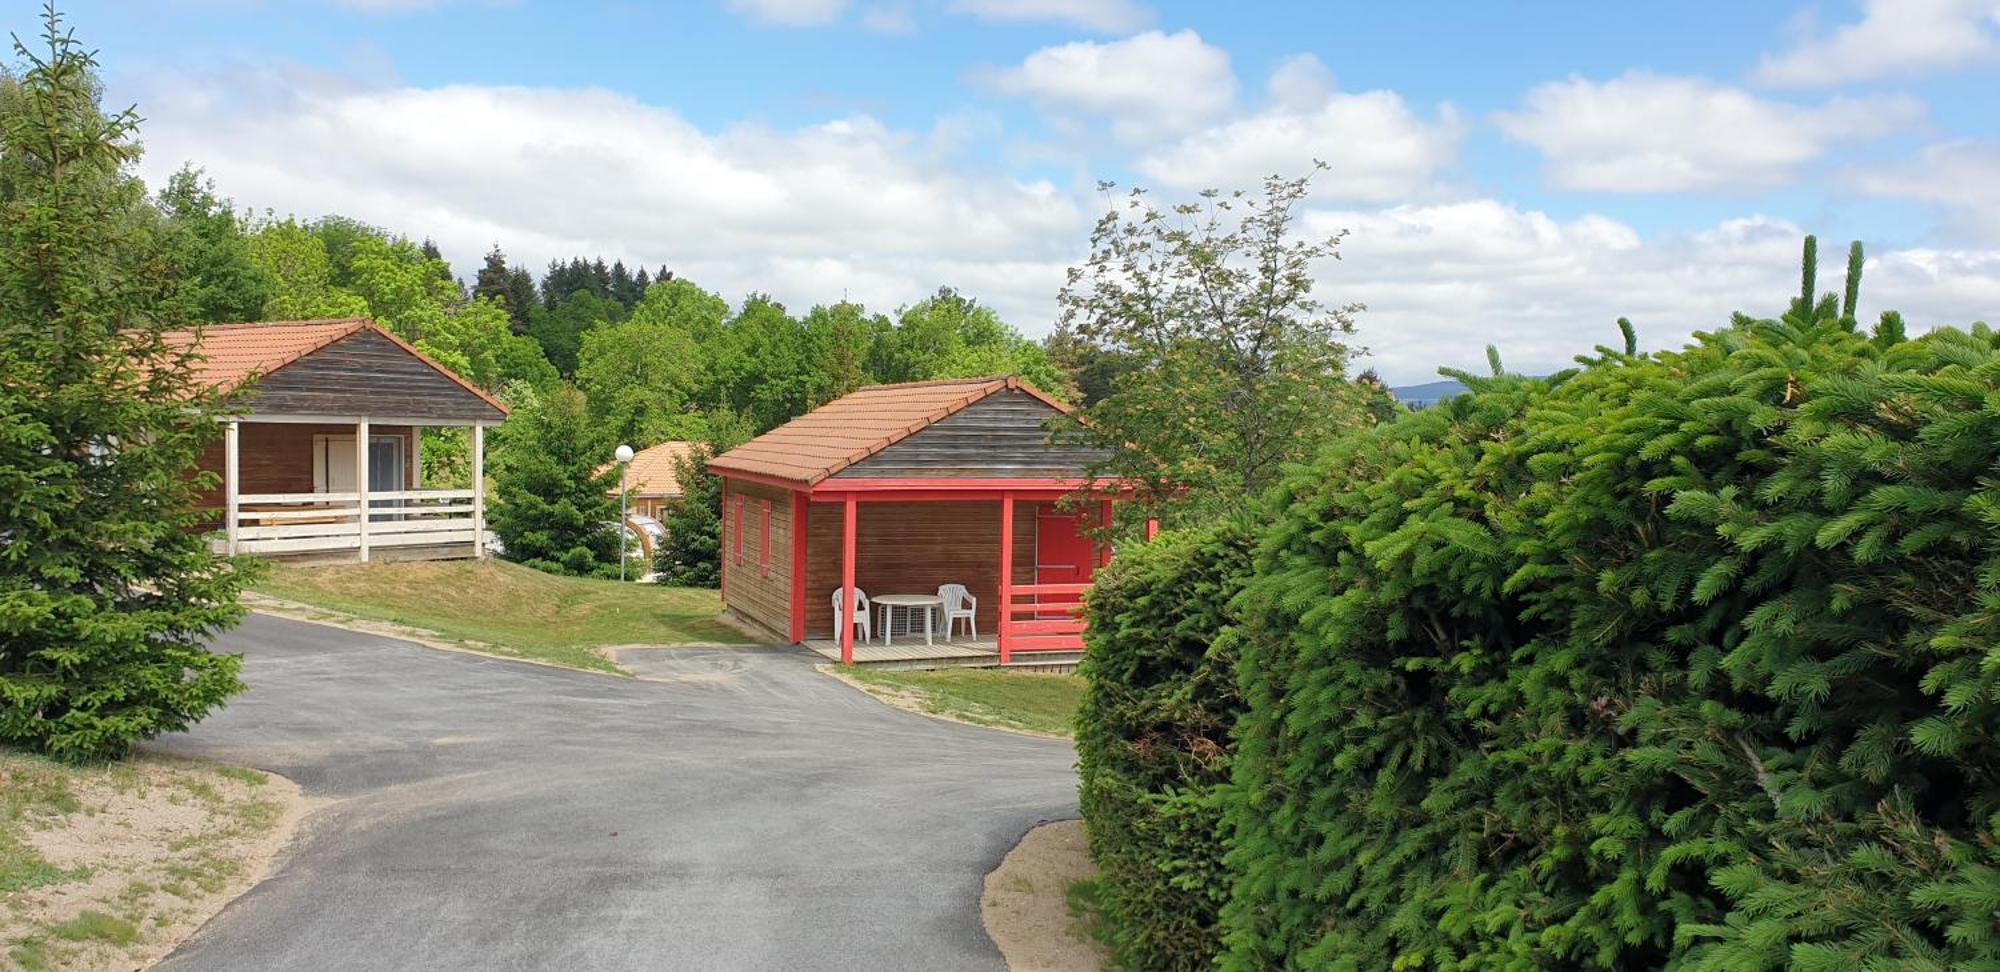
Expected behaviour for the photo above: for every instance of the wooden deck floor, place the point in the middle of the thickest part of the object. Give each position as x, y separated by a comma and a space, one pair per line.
912, 653
911, 648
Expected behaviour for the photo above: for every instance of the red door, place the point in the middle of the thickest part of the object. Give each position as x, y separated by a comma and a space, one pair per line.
1063, 555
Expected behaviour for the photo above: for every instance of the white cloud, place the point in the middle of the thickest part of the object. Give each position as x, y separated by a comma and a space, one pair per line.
1442, 281
1893, 37
789, 13
1375, 147
1961, 177
844, 207
1646, 133
1148, 86
889, 19
1105, 16
852, 207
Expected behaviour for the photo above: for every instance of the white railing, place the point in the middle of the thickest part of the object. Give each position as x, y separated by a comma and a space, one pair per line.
286, 523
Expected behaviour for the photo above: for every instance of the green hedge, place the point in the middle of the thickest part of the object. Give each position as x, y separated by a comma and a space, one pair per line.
1685, 660
1152, 739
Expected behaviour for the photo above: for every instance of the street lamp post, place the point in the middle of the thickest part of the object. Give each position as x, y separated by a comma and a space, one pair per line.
624, 455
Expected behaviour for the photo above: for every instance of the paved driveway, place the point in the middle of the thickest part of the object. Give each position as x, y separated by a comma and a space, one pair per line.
734, 810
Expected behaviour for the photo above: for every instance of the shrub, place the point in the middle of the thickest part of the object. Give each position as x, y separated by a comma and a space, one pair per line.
1152, 741
1680, 660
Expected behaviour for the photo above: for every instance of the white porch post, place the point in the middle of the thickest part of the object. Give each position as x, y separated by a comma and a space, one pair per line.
416, 477
847, 532
479, 490
231, 461
361, 483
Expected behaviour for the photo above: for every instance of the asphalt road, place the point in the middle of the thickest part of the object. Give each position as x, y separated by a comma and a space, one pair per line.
733, 809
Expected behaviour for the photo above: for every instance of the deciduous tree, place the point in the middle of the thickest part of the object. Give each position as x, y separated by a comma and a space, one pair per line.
1230, 366
219, 278
640, 375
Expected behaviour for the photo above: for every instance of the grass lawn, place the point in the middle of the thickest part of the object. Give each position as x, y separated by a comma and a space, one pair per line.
111, 866
509, 609
1032, 701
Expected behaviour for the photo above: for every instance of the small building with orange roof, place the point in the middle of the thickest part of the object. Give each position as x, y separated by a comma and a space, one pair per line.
321, 459
652, 479
879, 499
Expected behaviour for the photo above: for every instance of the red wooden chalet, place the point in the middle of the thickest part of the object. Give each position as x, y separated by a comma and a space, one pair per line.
895, 490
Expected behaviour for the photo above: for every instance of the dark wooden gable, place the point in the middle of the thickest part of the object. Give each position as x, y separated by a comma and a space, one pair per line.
366, 374
1002, 436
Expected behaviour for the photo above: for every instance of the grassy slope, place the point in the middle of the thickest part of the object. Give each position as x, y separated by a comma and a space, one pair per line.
509, 608
1013, 700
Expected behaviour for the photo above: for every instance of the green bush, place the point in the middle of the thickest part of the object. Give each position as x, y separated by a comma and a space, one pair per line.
1684, 660
1152, 741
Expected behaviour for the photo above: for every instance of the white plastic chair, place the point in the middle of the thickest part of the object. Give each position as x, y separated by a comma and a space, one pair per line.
959, 605
863, 627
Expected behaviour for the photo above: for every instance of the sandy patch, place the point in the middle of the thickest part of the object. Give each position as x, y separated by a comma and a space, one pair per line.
1026, 904
138, 855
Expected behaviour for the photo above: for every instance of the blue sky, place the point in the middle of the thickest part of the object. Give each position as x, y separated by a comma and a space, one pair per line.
1514, 173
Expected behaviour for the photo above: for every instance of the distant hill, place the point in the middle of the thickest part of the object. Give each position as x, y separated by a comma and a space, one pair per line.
1427, 394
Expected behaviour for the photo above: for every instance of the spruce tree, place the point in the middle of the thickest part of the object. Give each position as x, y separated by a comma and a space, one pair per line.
491, 281
1808, 273
691, 555
557, 502
521, 298
108, 594
510, 287
1852, 294
1679, 660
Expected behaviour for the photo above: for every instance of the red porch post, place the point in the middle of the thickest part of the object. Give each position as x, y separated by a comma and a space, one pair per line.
847, 583
800, 508
1006, 574
722, 546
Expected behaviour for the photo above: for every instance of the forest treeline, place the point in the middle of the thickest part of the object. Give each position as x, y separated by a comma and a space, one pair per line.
656, 355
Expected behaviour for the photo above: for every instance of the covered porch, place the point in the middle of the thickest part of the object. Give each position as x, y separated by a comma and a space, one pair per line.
323, 460
297, 490
1026, 558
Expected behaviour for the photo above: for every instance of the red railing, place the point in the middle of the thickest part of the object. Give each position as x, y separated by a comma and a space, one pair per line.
1054, 623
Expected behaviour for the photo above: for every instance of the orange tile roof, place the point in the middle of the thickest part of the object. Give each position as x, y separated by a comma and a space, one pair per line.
858, 425
653, 471
233, 353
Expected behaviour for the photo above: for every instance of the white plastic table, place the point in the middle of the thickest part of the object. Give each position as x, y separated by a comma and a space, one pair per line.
908, 602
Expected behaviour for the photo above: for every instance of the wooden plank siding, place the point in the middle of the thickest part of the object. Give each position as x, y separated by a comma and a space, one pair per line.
1002, 436
911, 548
753, 585
367, 374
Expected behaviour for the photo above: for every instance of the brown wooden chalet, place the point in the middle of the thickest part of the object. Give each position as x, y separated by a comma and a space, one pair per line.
322, 461
896, 491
